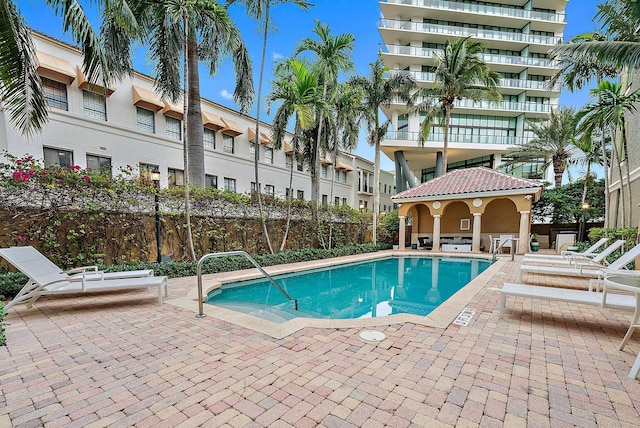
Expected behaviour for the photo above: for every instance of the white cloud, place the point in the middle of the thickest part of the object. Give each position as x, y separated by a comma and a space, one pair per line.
226, 94
277, 56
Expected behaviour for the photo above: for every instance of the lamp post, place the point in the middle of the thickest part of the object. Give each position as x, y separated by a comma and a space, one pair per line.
584, 207
155, 177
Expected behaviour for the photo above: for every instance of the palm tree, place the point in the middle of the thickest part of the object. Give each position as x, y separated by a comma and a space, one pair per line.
575, 73
332, 57
459, 74
260, 10
619, 19
380, 89
554, 142
20, 86
591, 155
609, 109
348, 111
297, 90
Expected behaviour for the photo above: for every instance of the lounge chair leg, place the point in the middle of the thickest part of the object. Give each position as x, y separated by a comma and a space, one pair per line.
633, 374
634, 324
503, 299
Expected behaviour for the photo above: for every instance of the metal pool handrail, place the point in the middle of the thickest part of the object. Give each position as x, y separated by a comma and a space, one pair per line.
500, 245
201, 313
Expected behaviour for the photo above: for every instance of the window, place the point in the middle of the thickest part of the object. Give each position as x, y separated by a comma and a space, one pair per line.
299, 165
211, 181
268, 155
270, 190
300, 194
55, 93
344, 201
289, 160
385, 188
230, 184
252, 151
344, 176
228, 144
325, 199
176, 177
146, 120
209, 138
336, 201
287, 191
99, 164
324, 170
173, 128
145, 171
95, 105
253, 187
57, 157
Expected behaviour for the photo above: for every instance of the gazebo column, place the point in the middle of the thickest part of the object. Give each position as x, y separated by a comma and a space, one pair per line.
524, 232
436, 233
401, 233
477, 221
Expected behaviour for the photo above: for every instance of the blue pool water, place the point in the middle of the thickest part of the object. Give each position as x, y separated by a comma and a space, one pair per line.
396, 285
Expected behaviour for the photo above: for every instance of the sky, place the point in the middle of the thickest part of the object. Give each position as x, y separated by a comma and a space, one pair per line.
358, 17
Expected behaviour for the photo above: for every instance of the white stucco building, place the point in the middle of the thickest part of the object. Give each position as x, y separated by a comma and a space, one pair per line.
132, 126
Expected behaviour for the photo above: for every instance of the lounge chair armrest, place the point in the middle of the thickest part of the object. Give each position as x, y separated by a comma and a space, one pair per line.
82, 269
610, 273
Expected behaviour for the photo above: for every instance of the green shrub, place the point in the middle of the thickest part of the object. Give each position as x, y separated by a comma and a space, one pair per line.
3, 314
11, 283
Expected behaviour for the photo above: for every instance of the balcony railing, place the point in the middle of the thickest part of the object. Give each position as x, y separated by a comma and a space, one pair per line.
492, 105
490, 58
456, 138
452, 30
424, 76
485, 9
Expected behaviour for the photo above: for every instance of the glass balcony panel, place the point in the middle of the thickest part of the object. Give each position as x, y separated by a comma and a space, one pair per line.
485, 9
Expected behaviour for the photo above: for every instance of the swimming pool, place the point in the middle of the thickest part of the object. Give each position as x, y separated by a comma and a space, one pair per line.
371, 289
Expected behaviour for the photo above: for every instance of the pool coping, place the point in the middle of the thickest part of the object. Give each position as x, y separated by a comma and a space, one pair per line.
441, 317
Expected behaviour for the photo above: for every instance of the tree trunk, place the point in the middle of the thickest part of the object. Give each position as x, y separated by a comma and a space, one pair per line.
195, 130
290, 202
376, 188
605, 160
558, 171
625, 150
445, 142
190, 63
616, 161
263, 221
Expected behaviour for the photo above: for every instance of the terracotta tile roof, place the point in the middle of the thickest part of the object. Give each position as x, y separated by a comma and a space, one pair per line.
468, 180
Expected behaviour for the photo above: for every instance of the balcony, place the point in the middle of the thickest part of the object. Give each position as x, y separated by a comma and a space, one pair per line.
456, 138
415, 51
367, 190
484, 9
526, 107
450, 30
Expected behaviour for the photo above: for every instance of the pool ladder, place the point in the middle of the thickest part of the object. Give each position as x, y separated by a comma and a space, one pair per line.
246, 255
502, 244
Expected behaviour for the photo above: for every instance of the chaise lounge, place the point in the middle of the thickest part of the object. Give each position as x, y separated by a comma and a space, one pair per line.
45, 278
596, 260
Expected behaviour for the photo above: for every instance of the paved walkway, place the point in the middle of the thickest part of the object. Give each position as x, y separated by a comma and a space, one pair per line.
120, 360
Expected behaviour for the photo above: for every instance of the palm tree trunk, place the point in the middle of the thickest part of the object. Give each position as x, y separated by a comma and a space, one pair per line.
290, 202
376, 188
616, 160
333, 177
263, 220
193, 103
625, 149
558, 172
605, 160
445, 142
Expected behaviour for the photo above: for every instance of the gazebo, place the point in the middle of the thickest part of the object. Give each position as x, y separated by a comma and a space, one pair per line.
468, 206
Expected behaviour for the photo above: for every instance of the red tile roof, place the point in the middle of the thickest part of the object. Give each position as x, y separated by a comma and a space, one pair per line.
468, 180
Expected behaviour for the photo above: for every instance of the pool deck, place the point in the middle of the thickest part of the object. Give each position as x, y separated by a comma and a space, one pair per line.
118, 359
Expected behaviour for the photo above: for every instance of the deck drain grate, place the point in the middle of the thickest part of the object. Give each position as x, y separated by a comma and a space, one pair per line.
465, 317
372, 336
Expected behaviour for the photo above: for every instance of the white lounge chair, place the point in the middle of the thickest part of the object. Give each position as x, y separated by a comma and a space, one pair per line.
589, 270
589, 252
572, 260
45, 278
565, 295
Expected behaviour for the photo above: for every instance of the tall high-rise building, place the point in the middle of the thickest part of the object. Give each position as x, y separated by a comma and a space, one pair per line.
517, 35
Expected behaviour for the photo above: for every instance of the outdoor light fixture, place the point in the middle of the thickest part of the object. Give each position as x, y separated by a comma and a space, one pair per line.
155, 177
585, 206
583, 227
361, 207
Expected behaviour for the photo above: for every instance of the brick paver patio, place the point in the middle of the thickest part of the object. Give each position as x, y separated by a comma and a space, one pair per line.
120, 360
